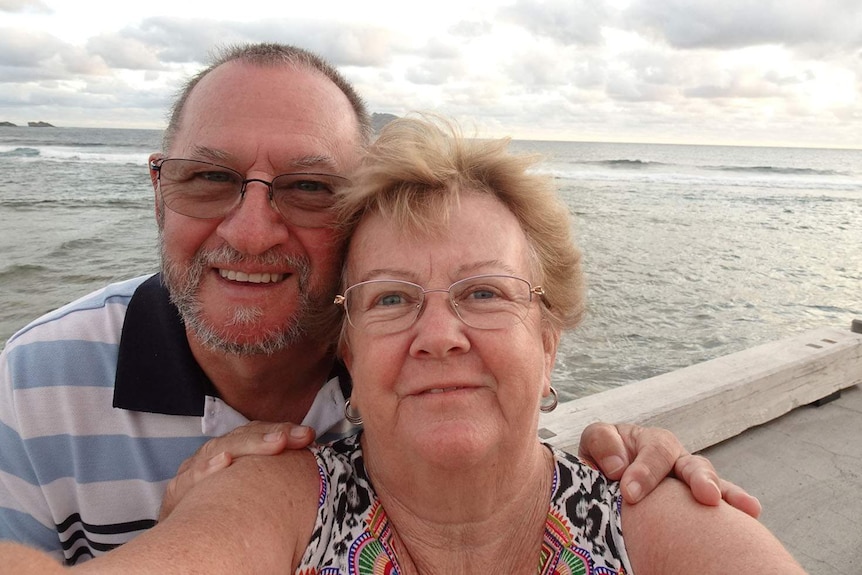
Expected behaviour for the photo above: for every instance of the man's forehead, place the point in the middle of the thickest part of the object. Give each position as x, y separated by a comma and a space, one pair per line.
292, 116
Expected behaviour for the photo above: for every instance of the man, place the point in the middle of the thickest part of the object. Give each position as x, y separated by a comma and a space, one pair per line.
103, 399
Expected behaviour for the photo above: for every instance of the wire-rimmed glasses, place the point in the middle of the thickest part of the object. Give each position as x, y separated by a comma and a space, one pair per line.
205, 190
483, 301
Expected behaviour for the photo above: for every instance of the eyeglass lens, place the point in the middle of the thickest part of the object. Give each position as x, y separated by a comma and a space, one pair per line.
484, 302
204, 190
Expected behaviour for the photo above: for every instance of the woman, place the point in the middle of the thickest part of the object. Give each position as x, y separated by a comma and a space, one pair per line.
460, 276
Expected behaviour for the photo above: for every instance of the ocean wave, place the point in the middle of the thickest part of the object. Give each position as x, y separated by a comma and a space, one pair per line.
77, 203
635, 164
777, 170
21, 271
19, 153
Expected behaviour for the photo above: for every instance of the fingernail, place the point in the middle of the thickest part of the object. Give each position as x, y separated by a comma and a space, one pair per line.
273, 437
298, 432
716, 487
635, 490
612, 464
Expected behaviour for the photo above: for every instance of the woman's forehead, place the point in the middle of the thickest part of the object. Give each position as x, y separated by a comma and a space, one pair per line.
480, 230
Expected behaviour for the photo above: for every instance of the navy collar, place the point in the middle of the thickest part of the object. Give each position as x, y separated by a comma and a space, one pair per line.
156, 371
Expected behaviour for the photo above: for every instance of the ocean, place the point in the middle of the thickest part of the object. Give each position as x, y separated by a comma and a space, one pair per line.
690, 252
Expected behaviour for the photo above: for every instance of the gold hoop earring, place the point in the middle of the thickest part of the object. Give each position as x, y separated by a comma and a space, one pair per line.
351, 415
549, 407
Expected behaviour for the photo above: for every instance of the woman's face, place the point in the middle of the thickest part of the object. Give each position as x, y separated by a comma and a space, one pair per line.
441, 388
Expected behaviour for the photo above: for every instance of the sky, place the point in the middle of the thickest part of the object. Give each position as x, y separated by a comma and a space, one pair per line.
736, 72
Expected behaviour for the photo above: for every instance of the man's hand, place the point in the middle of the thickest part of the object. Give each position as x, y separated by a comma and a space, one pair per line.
255, 438
640, 457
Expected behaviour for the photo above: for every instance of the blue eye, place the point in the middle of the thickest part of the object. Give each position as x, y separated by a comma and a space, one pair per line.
390, 299
483, 294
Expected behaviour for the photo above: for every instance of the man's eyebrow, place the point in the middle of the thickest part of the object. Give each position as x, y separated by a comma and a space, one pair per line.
316, 162
211, 154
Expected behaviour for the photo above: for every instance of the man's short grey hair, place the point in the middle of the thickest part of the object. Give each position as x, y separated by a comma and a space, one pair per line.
270, 54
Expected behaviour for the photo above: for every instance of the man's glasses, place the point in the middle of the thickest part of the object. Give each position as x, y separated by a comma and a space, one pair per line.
484, 302
204, 190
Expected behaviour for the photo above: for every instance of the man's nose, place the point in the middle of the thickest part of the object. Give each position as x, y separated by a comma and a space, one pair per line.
254, 225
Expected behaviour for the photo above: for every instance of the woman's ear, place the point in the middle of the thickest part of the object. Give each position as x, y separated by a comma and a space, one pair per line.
550, 342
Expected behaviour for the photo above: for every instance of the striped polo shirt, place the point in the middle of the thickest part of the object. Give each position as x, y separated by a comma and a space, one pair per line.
100, 402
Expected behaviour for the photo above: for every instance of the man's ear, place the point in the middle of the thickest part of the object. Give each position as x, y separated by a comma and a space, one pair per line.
154, 178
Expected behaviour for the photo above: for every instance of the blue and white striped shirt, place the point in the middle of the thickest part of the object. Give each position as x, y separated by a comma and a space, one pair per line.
100, 402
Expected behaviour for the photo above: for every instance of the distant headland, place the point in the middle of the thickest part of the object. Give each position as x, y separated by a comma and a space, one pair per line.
31, 124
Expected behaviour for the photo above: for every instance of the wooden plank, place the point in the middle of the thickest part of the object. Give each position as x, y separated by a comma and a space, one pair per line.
709, 402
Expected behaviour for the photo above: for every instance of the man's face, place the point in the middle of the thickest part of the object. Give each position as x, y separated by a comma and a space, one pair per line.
247, 281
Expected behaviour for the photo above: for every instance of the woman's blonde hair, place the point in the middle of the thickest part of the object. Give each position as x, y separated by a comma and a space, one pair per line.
414, 173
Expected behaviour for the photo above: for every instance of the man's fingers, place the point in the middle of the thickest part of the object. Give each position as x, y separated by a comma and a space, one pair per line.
185, 480
739, 498
699, 474
655, 451
602, 444
255, 438
709, 489
258, 438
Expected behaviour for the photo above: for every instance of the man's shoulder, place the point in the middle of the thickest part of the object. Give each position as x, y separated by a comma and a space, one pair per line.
97, 316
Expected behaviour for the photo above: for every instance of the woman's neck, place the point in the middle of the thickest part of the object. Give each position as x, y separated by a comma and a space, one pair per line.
478, 519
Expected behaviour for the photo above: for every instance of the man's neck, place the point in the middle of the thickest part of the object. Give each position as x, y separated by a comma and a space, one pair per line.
277, 387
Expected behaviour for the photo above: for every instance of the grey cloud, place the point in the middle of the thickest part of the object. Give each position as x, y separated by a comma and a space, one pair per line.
120, 52
567, 21
735, 89
24, 6
19, 48
435, 72
78, 61
740, 23
633, 90
538, 69
178, 40
471, 28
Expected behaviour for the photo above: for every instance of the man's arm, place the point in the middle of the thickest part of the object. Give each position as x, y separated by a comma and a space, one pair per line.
640, 456
255, 517
24, 513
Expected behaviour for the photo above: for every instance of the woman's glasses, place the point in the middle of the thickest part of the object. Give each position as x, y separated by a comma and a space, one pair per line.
483, 302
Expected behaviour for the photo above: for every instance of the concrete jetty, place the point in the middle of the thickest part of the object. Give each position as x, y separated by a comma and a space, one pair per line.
755, 415
806, 469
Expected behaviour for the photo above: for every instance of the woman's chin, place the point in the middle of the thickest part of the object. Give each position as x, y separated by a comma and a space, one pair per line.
454, 444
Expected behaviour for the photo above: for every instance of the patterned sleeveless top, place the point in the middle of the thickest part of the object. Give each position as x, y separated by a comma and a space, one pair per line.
352, 535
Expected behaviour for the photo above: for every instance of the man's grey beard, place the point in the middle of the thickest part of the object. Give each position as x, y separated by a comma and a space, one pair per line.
183, 284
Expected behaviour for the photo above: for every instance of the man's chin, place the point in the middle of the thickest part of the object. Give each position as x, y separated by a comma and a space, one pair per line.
233, 341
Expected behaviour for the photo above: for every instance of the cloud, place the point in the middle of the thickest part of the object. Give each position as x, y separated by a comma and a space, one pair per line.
19, 6
567, 21
184, 40
119, 51
697, 24
27, 49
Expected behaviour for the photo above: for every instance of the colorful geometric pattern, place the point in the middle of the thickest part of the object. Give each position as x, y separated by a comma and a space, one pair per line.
353, 536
